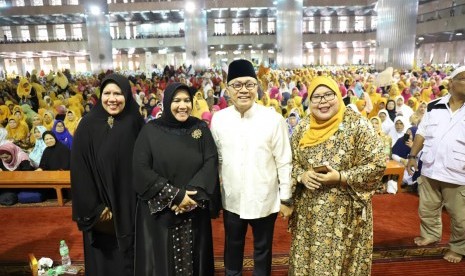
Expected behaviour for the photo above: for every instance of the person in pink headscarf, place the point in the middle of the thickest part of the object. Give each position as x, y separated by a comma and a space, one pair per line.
275, 94
222, 103
207, 118
14, 158
215, 108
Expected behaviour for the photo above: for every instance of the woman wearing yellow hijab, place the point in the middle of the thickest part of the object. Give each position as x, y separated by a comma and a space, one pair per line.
426, 94
199, 106
275, 104
17, 131
49, 117
4, 114
299, 106
337, 161
71, 121
374, 97
413, 103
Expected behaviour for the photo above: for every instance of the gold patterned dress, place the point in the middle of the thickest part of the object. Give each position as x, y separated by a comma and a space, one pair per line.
332, 226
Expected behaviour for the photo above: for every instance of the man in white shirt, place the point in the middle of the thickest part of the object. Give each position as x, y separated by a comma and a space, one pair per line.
255, 168
441, 135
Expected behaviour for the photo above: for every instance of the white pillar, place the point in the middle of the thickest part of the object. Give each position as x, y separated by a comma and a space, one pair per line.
396, 33
195, 21
289, 24
98, 38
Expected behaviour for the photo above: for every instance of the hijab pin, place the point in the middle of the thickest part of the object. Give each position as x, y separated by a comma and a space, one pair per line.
110, 121
196, 134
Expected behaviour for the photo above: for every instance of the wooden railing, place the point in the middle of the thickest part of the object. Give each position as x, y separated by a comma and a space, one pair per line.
37, 179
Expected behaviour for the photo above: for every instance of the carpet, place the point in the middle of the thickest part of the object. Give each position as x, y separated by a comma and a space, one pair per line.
27, 229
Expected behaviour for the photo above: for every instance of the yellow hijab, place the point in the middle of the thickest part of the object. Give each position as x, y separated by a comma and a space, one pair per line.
199, 105
426, 94
4, 113
20, 132
414, 100
274, 103
71, 125
48, 126
321, 131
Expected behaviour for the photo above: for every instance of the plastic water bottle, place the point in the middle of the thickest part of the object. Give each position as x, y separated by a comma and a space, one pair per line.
64, 252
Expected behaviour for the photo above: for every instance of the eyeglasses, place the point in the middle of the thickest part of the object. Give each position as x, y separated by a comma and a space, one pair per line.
238, 85
328, 96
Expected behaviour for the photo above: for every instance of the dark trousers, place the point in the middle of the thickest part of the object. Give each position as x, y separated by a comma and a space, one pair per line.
235, 231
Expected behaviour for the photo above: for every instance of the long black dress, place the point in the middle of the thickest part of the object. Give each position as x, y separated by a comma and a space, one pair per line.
170, 158
101, 176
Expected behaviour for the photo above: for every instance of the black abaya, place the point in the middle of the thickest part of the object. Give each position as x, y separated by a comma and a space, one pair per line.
101, 176
170, 158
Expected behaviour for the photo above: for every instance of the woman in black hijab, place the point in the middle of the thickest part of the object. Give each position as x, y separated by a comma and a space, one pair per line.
176, 179
56, 156
101, 179
391, 109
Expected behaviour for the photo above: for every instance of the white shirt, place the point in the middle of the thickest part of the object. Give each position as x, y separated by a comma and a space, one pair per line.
255, 160
444, 146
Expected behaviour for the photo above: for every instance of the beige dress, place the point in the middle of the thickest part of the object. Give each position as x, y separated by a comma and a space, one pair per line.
332, 227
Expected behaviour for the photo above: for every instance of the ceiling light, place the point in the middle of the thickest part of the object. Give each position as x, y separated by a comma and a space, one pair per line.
421, 38
458, 34
190, 7
95, 10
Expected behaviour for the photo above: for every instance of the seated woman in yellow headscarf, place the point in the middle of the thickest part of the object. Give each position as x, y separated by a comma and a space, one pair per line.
299, 106
75, 103
413, 103
17, 132
275, 104
71, 121
394, 92
374, 97
426, 94
291, 106
361, 104
199, 106
49, 118
4, 114
19, 114
266, 99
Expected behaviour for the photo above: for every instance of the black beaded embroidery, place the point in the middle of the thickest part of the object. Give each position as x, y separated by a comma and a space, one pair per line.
183, 248
163, 199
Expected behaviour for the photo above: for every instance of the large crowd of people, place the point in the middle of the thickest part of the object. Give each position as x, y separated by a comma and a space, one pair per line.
284, 141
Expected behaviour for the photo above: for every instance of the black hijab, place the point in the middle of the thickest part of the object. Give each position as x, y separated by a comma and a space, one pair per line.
56, 157
391, 112
167, 118
101, 165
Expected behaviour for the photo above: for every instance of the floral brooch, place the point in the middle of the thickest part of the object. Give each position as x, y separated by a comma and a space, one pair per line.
110, 121
196, 134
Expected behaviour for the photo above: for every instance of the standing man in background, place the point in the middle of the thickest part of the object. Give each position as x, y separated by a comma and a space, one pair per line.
441, 135
255, 167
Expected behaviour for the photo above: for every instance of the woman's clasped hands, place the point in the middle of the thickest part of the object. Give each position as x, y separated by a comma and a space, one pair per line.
187, 204
313, 180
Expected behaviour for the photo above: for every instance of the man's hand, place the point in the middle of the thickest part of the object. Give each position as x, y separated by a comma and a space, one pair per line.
411, 166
